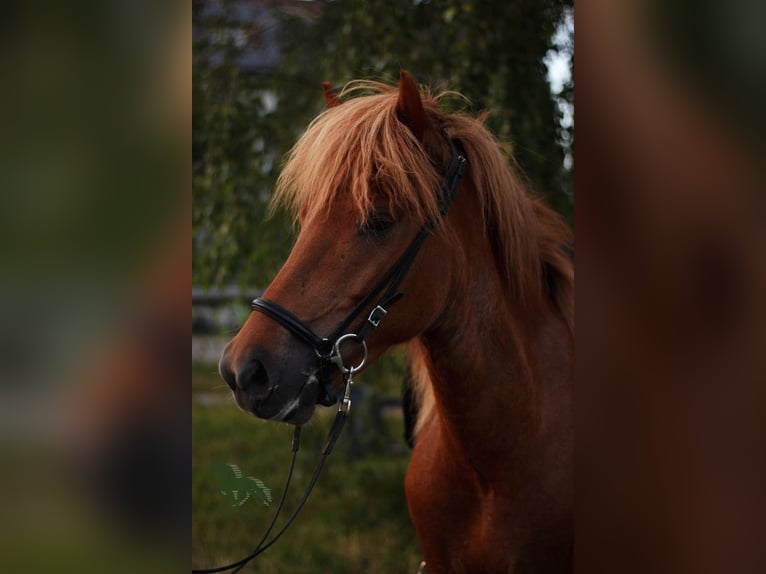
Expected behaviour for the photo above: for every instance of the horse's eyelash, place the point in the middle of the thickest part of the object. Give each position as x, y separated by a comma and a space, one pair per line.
377, 222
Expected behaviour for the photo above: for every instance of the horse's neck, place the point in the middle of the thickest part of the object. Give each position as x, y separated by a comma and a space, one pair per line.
501, 377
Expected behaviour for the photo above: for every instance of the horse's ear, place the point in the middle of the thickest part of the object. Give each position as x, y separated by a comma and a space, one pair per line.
409, 106
330, 97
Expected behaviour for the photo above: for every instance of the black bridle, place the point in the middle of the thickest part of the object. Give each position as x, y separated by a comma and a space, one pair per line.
327, 348
329, 355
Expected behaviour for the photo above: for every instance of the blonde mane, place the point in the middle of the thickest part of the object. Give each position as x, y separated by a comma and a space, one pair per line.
360, 151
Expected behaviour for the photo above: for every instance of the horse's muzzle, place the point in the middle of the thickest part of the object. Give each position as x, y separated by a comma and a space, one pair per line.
259, 388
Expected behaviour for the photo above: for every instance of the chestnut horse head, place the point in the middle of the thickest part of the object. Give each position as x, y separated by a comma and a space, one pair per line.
484, 301
363, 180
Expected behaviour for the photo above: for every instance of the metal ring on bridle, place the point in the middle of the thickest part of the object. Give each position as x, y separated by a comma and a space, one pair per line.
337, 358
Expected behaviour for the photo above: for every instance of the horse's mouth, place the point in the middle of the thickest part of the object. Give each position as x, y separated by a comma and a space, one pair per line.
288, 411
298, 410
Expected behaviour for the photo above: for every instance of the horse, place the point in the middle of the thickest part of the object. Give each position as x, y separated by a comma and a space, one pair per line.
485, 308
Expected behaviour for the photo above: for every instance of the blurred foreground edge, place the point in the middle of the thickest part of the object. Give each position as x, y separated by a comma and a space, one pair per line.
670, 298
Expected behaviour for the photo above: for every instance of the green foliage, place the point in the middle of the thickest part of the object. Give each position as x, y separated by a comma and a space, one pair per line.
239, 136
492, 51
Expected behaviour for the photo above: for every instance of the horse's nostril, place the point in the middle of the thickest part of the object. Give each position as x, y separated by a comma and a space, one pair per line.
227, 374
253, 378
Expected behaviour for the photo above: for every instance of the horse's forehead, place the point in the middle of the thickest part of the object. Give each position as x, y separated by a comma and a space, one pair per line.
330, 222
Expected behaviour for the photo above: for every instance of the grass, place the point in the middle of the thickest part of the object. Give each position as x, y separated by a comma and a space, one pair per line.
356, 519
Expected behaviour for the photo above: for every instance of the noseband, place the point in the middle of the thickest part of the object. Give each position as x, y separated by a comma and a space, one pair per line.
327, 349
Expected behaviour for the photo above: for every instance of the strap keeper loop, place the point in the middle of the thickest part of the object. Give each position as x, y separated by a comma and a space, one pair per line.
376, 315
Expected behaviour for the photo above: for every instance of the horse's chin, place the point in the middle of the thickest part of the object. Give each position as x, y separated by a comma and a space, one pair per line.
296, 410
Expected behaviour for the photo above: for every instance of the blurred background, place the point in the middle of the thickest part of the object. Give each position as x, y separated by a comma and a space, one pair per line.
671, 284
95, 256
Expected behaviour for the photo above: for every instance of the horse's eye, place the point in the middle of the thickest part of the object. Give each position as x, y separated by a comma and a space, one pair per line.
379, 223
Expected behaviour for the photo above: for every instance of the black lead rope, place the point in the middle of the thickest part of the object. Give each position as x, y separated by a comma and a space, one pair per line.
239, 564
262, 546
328, 352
